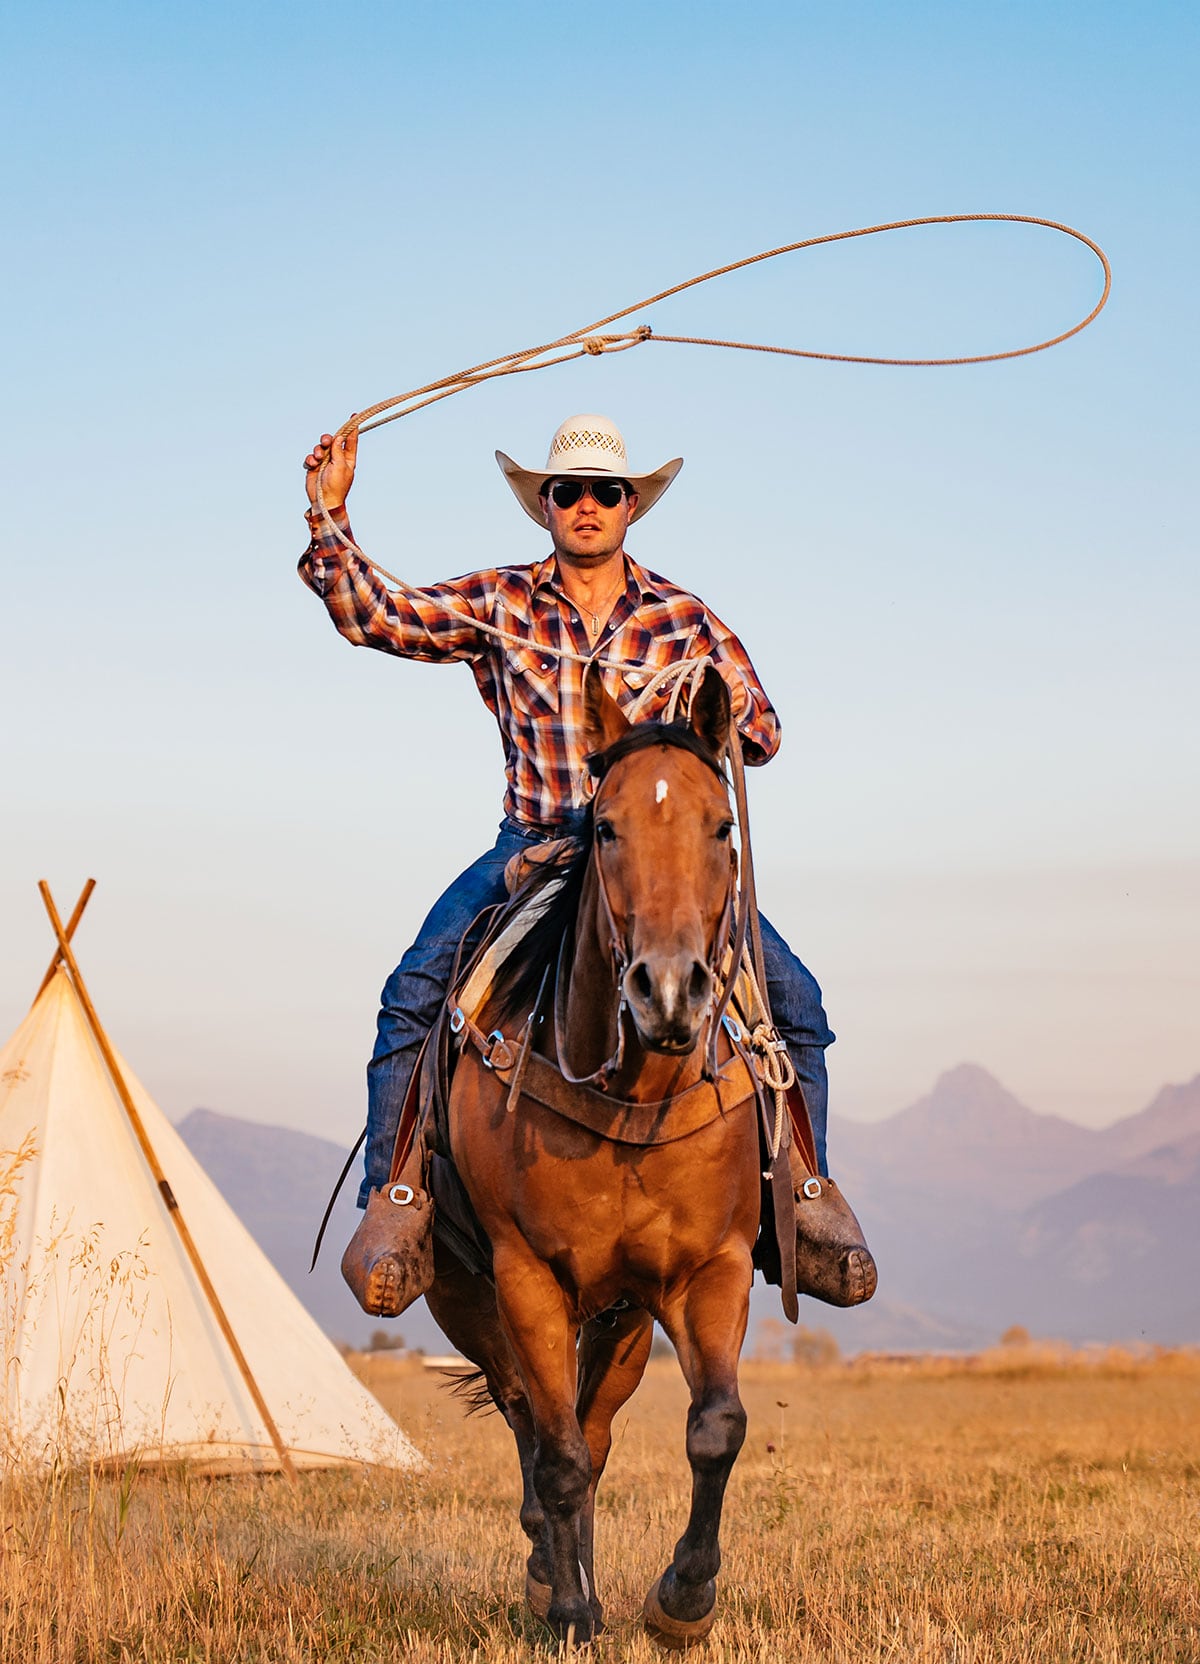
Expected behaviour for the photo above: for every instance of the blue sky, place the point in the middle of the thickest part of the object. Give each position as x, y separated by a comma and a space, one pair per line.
972, 593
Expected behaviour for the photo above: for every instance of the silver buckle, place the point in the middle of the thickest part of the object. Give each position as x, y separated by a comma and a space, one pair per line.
457, 1021
495, 1041
732, 1027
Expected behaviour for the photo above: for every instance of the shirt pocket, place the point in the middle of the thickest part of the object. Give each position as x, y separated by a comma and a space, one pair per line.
655, 655
532, 677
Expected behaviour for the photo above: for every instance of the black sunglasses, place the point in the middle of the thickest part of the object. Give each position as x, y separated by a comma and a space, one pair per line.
566, 493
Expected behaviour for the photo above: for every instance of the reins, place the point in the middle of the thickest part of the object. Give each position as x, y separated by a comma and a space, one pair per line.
763, 1046
771, 1061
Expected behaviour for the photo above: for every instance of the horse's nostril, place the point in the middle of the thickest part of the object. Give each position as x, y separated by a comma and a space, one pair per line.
698, 983
639, 978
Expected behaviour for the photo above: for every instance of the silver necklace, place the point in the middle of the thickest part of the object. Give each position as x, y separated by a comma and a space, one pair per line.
608, 606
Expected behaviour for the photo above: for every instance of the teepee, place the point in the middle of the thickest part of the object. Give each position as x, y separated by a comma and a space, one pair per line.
138, 1317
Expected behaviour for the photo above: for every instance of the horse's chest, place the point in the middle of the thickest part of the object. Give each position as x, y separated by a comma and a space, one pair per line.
636, 1219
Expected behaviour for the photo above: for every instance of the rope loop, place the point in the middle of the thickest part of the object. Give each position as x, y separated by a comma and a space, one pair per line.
578, 341
771, 1061
588, 342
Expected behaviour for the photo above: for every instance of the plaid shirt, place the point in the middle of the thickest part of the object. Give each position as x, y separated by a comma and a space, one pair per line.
537, 699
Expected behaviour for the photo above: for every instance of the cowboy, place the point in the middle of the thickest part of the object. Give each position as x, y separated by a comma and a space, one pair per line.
590, 597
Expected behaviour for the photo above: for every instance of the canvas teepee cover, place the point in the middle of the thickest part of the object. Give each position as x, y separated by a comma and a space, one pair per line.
109, 1344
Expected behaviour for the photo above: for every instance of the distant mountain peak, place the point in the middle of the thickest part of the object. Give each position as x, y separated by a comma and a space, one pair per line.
966, 1074
966, 1097
201, 1126
1181, 1099
969, 1137
969, 1078
200, 1117
1171, 1117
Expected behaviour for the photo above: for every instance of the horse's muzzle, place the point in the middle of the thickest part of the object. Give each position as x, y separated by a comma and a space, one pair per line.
668, 997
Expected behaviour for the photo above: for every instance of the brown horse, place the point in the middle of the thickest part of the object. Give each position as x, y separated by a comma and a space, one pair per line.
631, 1191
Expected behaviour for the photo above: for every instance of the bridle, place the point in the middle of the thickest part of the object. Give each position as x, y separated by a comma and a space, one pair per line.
761, 1045
722, 967
752, 1033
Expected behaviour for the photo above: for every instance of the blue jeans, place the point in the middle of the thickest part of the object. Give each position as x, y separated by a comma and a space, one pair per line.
415, 990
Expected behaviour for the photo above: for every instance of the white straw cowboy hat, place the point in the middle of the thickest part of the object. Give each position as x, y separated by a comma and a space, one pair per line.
586, 447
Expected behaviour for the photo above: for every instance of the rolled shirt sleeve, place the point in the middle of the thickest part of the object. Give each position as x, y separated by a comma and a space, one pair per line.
435, 624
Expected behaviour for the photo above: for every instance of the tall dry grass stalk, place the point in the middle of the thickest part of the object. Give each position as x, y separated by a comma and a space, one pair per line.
881, 1513
74, 1299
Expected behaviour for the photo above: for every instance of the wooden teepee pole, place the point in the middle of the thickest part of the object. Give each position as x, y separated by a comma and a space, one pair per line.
84, 897
160, 1178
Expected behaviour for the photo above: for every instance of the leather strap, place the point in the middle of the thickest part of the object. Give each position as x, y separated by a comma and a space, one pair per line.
784, 1209
641, 1125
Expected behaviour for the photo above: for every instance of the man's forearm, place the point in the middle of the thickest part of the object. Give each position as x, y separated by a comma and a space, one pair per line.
437, 624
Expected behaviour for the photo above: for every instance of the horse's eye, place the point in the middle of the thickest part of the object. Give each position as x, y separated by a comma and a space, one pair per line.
605, 833
723, 831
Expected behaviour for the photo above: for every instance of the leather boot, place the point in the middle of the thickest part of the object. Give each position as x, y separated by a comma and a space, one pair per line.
833, 1262
388, 1262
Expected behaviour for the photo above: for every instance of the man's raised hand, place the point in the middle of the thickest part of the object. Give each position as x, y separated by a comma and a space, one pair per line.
333, 460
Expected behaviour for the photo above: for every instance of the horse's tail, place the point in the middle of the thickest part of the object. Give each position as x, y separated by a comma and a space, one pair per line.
472, 1388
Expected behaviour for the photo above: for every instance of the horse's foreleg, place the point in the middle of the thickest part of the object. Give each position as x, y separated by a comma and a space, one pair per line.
707, 1325
464, 1307
543, 1340
533, 1518
612, 1360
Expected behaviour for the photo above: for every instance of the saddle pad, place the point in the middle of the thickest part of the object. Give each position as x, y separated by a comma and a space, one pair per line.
475, 991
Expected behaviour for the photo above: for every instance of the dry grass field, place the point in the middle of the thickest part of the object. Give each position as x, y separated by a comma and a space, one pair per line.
1019, 1511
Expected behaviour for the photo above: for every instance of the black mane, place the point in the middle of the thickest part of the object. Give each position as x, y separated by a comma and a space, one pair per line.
520, 976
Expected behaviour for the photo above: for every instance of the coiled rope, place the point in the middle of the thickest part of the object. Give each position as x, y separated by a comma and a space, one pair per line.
589, 342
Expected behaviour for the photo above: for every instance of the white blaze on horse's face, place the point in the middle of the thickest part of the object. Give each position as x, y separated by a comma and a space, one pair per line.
663, 826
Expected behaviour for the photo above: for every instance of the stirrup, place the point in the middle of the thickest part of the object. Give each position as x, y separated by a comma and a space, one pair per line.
833, 1262
388, 1261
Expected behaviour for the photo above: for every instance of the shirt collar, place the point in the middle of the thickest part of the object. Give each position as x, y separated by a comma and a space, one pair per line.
638, 582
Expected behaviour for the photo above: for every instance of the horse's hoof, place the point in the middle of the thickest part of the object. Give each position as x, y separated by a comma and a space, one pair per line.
676, 1633
537, 1596
577, 1629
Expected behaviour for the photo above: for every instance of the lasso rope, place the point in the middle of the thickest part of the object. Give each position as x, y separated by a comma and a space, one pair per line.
588, 342
770, 1054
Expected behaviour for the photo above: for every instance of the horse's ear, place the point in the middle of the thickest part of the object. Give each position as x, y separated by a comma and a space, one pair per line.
710, 712
603, 719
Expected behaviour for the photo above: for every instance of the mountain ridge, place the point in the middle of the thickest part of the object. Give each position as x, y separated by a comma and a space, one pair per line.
1082, 1233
